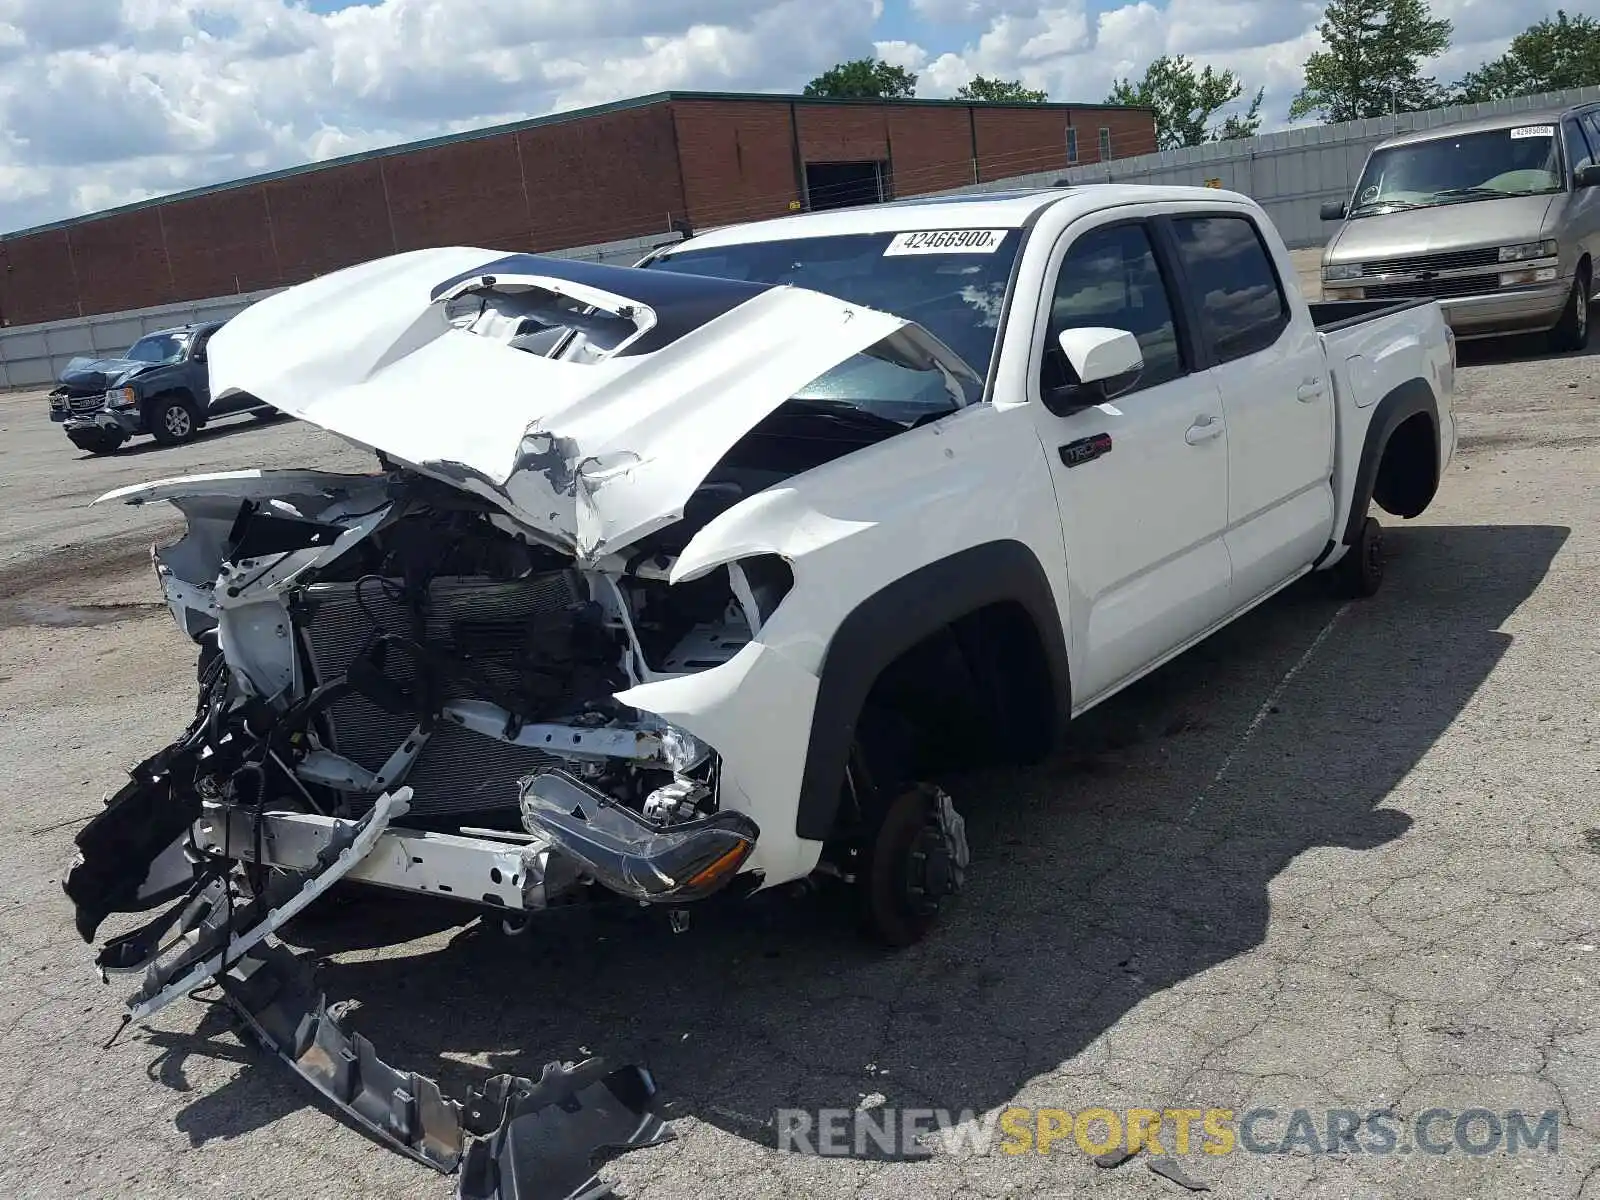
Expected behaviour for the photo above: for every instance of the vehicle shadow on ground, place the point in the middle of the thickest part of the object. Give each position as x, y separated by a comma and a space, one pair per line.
1528, 347
1118, 869
217, 429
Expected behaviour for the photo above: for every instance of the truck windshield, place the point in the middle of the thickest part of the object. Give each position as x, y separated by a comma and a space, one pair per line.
1525, 161
158, 348
954, 287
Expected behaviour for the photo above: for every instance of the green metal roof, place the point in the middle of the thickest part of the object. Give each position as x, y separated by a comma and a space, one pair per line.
557, 118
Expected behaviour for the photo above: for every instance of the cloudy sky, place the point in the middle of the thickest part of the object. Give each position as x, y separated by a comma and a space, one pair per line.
107, 101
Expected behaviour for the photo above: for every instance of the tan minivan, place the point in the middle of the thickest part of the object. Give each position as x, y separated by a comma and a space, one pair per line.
1498, 219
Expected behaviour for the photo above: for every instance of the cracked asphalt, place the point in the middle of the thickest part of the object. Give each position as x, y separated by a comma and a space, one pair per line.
1337, 857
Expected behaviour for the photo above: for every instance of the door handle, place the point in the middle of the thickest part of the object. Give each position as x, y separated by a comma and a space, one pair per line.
1310, 390
1204, 429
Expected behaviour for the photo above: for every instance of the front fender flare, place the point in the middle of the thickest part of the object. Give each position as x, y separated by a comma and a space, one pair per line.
890, 622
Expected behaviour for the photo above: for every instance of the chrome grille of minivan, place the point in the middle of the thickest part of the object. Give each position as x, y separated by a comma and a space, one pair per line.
1434, 289
1455, 260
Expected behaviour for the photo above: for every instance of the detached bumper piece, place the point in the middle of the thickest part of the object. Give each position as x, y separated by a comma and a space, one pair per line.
104, 430
513, 1139
211, 930
548, 1132
630, 855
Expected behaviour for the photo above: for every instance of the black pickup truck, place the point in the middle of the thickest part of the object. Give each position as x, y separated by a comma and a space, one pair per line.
160, 386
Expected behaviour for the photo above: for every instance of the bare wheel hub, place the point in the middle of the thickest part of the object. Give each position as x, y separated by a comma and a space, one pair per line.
938, 857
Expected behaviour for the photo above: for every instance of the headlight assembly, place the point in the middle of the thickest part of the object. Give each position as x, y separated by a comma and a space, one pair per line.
1526, 250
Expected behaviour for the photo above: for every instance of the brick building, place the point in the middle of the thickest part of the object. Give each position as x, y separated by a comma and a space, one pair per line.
629, 169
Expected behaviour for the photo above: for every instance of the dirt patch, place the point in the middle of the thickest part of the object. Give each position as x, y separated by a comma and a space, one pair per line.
104, 558
50, 615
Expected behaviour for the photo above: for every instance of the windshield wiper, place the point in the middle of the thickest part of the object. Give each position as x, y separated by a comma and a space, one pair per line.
1472, 193
843, 414
1360, 208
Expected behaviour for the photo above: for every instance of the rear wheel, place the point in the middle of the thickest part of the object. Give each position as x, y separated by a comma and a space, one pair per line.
1359, 574
1572, 331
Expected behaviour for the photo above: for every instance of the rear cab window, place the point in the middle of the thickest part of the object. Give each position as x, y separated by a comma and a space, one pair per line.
1233, 282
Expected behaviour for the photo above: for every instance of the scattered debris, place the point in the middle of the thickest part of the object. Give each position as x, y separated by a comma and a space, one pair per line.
1168, 1168
1114, 1158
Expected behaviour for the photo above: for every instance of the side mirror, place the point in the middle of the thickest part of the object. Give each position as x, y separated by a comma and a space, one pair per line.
1101, 359
1335, 210
1587, 176
1098, 355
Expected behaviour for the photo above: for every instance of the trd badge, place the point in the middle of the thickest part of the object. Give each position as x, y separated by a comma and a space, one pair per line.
1075, 454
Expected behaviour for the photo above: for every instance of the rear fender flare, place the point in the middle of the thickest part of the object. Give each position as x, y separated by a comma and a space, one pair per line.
891, 621
1402, 403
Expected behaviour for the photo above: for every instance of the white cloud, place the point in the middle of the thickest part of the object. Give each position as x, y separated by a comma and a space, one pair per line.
956, 12
1265, 41
900, 53
105, 101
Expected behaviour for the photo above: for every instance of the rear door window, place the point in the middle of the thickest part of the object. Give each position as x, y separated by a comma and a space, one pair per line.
1230, 274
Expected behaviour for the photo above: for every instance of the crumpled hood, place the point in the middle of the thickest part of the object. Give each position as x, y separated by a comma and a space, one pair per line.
591, 455
101, 374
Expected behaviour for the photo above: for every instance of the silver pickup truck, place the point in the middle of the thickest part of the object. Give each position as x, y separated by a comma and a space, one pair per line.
1496, 219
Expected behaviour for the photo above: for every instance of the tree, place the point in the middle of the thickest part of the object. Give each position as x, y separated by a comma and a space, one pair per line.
1000, 91
1247, 126
1186, 101
1371, 61
864, 78
1547, 57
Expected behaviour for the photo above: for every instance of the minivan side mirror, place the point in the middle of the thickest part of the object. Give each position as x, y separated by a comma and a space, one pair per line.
1587, 176
1335, 210
1104, 360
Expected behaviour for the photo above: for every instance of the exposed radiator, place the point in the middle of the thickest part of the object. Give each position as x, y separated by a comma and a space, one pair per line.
458, 771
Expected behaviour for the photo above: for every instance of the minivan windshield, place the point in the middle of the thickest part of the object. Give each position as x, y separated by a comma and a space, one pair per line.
1524, 161
953, 284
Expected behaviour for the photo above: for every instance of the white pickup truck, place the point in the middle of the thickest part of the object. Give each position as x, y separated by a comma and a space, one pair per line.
687, 579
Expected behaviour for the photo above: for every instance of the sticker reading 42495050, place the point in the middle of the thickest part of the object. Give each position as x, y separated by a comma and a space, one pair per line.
946, 241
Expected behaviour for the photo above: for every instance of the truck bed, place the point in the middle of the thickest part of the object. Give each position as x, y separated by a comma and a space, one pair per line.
1331, 315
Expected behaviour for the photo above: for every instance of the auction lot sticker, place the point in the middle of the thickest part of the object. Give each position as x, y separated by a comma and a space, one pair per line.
1532, 131
946, 241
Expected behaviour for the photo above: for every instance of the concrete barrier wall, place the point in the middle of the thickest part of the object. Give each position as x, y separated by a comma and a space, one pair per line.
34, 355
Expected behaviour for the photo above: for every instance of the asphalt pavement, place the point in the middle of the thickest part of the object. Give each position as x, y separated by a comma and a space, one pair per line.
1341, 858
